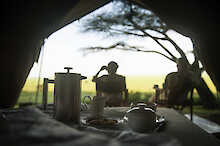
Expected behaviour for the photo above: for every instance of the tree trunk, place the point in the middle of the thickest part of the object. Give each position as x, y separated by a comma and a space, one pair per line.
207, 97
205, 94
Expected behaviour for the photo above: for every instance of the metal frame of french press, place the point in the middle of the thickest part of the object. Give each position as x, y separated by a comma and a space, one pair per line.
45, 92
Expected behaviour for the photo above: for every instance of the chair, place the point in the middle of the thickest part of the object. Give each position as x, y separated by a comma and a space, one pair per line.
114, 89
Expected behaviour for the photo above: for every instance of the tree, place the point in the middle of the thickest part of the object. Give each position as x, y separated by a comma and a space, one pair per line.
129, 19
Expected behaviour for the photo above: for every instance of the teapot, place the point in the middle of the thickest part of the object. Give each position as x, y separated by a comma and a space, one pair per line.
150, 105
141, 118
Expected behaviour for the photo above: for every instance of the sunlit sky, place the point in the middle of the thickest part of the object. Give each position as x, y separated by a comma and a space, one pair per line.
64, 48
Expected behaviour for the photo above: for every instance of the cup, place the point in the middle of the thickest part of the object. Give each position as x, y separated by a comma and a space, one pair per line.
96, 107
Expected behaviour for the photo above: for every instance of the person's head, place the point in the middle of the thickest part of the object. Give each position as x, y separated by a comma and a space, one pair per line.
181, 65
112, 67
156, 86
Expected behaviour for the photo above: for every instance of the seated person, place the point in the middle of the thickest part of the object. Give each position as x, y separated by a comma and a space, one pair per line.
178, 85
111, 86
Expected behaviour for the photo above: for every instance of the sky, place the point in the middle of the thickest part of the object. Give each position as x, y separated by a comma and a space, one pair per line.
64, 48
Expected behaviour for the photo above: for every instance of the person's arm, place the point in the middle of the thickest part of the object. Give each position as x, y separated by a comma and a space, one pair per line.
125, 92
126, 95
96, 76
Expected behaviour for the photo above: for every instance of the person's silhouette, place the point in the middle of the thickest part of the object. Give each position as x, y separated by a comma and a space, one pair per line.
111, 86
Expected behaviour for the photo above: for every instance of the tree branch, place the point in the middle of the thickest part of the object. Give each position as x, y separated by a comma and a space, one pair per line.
127, 33
154, 38
125, 47
178, 49
151, 51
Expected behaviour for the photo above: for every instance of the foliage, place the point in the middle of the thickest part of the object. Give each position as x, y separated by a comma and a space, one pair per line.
129, 19
124, 20
29, 96
135, 97
200, 110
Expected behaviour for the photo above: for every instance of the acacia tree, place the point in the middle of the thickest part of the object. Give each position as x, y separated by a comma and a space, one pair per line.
129, 19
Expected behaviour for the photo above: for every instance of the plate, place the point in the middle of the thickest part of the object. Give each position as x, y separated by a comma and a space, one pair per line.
106, 123
102, 122
119, 124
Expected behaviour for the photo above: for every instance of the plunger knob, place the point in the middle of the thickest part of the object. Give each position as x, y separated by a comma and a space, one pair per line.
68, 69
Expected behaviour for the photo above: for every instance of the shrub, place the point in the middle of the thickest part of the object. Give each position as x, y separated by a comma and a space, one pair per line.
135, 97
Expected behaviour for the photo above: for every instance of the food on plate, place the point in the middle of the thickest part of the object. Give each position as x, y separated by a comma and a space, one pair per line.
102, 122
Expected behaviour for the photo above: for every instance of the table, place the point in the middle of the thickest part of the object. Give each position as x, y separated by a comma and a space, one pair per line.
29, 126
178, 126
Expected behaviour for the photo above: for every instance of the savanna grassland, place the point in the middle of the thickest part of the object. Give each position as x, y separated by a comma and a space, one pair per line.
140, 88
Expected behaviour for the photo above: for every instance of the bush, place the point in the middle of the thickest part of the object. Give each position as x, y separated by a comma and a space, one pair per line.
135, 97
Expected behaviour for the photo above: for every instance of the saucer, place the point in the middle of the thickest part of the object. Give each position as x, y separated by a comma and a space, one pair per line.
160, 123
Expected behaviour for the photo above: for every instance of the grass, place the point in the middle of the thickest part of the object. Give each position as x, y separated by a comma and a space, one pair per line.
199, 110
28, 93
30, 96
210, 114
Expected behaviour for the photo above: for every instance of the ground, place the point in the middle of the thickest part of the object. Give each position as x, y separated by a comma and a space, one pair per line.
210, 114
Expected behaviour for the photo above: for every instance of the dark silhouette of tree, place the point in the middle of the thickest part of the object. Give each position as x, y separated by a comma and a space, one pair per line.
129, 19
